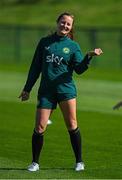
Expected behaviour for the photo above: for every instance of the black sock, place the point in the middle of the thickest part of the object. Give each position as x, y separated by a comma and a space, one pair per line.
37, 143
75, 138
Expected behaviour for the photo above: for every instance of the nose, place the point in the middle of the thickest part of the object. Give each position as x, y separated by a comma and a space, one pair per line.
65, 25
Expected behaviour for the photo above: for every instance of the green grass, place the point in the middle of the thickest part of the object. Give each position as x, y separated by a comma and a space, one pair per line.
100, 127
87, 13
98, 90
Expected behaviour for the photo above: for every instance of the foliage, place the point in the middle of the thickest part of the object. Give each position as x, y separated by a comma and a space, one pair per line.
13, 2
87, 13
27, 1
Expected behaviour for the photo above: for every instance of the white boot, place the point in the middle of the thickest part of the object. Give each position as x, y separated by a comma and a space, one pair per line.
49, 122
79, 166
33, 167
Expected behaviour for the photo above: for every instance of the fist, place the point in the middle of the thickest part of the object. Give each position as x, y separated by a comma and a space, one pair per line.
24, 96
95, 52
98, 51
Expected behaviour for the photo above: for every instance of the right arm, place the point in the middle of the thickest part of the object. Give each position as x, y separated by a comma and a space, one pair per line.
34, 72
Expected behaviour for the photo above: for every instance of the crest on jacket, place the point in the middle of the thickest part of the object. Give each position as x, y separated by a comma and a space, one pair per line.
66, 50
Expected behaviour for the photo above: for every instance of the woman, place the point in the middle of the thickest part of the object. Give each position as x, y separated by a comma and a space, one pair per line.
56, 57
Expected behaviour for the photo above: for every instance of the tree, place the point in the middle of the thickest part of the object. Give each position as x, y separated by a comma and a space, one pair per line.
27, 1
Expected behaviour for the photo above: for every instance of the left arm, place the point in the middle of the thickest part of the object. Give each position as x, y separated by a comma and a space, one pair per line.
83, 65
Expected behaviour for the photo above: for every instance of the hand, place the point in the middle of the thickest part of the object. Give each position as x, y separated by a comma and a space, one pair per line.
24, 96
95, 52
117, 106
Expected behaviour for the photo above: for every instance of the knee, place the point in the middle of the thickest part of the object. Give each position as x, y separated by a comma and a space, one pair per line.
40, 128
72, 125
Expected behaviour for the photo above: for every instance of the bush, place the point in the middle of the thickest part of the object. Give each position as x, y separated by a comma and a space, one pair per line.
3, 2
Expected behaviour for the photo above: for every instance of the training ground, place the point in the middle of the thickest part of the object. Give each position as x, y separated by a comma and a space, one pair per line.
101, 129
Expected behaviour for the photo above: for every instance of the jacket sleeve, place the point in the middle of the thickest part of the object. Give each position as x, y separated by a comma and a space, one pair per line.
80, 63
35, 68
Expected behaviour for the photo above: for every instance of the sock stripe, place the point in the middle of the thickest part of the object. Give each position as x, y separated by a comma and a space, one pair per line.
38, 134
74, 131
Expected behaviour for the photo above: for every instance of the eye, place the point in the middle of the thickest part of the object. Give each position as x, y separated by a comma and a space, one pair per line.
68, 24
62, 22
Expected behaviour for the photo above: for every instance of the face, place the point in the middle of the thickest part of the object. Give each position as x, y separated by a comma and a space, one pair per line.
64, 25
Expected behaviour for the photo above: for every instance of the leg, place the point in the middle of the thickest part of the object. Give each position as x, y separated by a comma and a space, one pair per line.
45, 106
68, 109
42, 116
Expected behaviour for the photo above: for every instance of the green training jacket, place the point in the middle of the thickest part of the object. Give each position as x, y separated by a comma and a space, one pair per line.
56, 58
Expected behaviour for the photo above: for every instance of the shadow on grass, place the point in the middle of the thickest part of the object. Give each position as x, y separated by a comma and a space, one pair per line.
11, 169
24, 169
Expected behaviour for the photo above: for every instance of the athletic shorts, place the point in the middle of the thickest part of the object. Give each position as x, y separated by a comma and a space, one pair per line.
50, 101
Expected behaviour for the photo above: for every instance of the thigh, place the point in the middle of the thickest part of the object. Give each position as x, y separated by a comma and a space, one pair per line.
68, 108
42, 116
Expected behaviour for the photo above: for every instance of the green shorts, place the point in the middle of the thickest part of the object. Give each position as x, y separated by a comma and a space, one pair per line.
50, 101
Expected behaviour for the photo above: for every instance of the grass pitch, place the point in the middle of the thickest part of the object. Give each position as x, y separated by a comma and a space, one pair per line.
101, 130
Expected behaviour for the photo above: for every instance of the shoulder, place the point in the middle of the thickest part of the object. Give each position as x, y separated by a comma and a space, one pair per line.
45, 40
75, 45
73, 42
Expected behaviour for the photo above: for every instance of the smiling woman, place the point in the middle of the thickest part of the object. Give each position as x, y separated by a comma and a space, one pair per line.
56, 57
65, 25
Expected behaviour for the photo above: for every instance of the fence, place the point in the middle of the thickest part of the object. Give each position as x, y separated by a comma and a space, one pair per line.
18, 43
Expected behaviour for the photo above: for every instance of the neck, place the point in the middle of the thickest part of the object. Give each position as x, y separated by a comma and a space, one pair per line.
59, 34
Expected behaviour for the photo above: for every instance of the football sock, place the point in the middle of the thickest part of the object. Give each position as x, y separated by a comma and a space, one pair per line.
75, 139
37, 143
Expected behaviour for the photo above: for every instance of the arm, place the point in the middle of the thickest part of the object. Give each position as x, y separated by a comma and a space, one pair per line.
83, 65
118, 105
34, 72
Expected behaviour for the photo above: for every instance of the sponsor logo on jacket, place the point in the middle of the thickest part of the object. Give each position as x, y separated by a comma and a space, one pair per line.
54, 59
